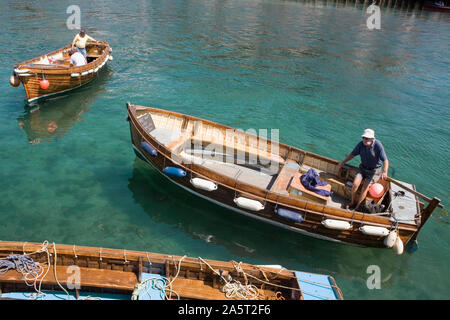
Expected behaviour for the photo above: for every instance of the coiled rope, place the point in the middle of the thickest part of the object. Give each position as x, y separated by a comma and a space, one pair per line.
235, 289
33, 272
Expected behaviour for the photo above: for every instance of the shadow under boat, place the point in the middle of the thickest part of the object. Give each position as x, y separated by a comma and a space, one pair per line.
49, 119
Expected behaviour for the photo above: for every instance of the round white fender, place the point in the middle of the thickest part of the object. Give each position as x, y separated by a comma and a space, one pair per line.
75, 75
110, 58
203, 184
248, 204
336, 224
84, 73
389, 241
398, 246
374, 231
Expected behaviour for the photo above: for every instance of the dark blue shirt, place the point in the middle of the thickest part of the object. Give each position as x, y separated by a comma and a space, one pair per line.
371, 157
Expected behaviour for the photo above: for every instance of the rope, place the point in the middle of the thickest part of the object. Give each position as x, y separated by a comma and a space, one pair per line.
30, 270
160, 283
154, 283
54, 272
236, 289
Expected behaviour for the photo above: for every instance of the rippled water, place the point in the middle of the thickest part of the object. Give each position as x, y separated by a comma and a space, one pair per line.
314, 71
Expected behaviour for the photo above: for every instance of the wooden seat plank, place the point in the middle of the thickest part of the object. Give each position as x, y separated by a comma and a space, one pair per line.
297, 184
89, 277
285, 177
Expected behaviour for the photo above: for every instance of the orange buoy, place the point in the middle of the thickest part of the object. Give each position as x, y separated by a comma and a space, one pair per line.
14, 80
44, 84
376, 190
52, 126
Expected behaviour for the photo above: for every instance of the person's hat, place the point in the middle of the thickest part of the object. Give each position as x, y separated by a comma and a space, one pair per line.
82, 31
369, 134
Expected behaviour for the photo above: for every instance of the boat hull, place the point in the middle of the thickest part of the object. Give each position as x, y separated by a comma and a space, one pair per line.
432, 7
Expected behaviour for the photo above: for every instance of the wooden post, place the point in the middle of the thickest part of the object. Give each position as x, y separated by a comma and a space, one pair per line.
140, 269
426, 213
167, 269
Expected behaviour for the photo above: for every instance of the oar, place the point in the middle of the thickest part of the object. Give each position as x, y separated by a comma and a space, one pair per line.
411, 190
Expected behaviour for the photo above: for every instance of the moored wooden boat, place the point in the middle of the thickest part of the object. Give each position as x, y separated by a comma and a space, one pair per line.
436, 6
55, 68
68, 272
260, 178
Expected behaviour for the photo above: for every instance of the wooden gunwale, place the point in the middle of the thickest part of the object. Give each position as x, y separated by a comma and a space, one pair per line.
133, 257
295, 204
56, 69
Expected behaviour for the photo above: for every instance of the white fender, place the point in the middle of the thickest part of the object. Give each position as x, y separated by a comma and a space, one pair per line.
203, 184
389, 241
110, 58
75, 75
96, 69
248, 204
21, 71
91, 71
84, 73
273, 266
336, 224
398, 246
374, 231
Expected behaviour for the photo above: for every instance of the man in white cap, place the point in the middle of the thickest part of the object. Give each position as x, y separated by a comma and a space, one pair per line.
80, 40
373, 157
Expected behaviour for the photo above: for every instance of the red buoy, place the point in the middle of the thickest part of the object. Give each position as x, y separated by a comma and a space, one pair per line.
44, 84
376, 190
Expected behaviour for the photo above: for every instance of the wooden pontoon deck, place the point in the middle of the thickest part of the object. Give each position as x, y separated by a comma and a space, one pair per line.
69, 272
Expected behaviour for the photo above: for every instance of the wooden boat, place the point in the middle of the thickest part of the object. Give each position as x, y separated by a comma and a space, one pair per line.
68, 272
55, 68
436, 6
217, 163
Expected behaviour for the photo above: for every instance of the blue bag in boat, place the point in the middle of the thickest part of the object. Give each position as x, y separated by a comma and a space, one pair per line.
310, 180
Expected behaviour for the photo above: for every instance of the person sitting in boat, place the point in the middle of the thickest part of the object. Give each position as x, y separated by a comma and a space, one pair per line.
80, 41
76, 58
373, 157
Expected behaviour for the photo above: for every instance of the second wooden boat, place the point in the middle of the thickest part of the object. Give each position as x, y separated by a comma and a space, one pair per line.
436, 6
55, 68
261, 178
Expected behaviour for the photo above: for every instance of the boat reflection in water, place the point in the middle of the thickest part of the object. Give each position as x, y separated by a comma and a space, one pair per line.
54, 117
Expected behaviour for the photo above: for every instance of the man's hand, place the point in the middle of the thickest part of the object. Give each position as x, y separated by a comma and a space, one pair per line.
384, 175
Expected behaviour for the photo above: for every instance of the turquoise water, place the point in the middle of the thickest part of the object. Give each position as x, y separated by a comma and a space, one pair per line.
313, 71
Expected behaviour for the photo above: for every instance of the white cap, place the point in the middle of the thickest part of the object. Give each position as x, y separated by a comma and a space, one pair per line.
369, 134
